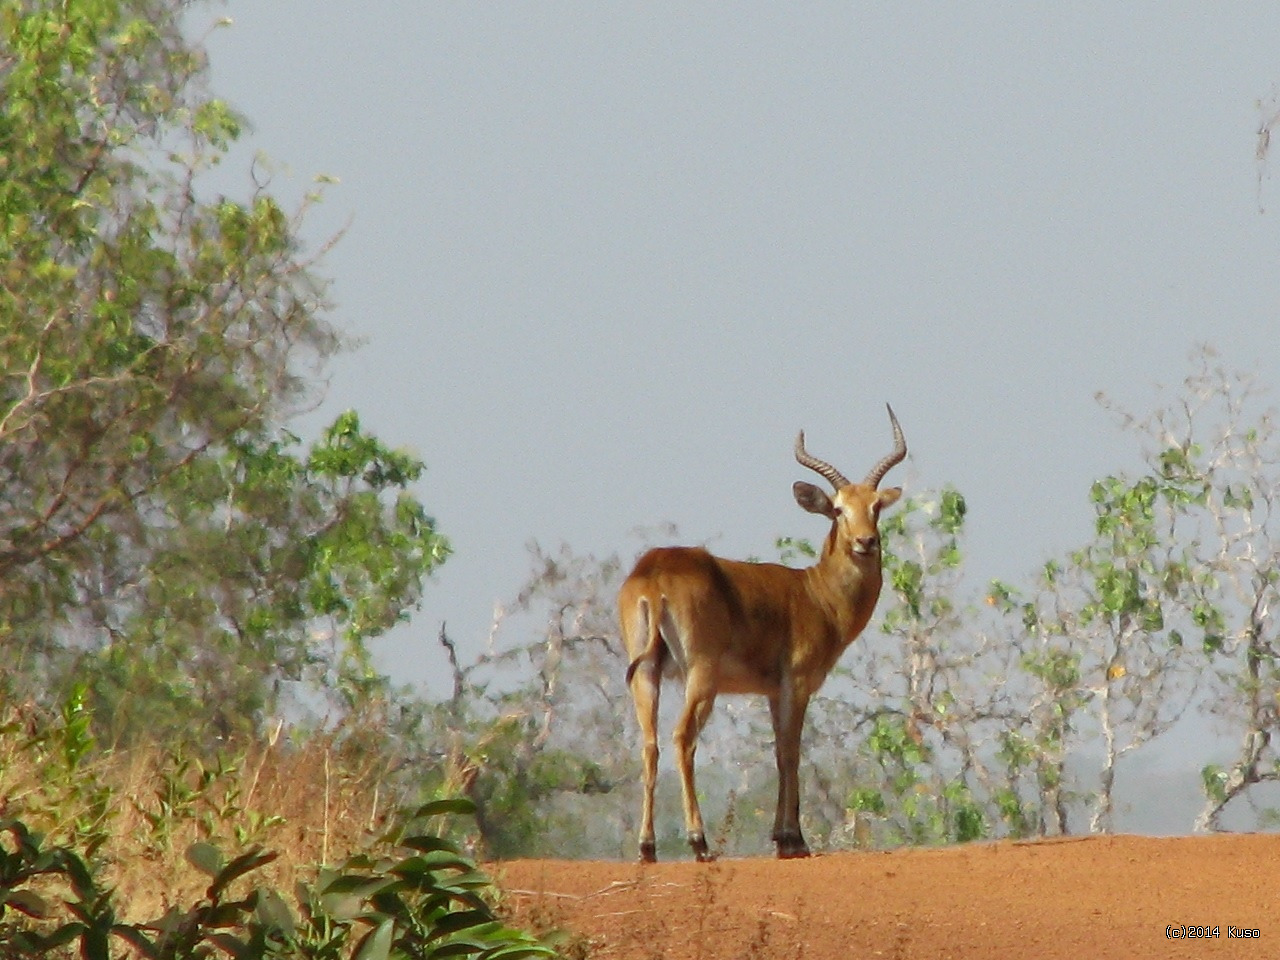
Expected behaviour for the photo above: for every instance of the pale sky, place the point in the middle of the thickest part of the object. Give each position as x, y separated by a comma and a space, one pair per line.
608, 259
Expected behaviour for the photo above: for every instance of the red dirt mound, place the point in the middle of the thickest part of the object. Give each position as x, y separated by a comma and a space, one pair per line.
1095, 897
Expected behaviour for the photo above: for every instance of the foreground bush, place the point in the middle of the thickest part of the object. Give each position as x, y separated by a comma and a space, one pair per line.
426, 902
121, 854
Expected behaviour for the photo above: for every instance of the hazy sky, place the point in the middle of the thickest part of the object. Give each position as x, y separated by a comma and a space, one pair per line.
609, 258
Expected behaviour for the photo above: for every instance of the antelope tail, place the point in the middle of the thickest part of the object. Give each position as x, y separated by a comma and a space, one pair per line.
654, 643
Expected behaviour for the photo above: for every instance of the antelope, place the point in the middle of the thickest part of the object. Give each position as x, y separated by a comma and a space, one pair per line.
728, 626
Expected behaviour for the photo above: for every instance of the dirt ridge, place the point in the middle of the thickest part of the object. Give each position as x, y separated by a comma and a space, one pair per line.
1119, 896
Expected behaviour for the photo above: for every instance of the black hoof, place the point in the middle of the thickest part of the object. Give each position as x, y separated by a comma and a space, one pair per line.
699, 844
791, 847
648, 853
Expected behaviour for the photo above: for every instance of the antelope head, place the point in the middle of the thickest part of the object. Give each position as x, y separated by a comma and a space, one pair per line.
854, 510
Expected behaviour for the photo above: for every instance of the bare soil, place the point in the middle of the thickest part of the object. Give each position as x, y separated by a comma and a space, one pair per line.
1094, 897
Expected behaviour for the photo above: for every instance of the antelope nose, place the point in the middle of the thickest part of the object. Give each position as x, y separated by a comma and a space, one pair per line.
867, 544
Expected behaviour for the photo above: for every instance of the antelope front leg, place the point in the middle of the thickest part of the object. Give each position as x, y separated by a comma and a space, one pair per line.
787, 710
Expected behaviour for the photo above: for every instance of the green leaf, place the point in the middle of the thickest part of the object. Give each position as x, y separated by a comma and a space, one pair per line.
430, 862
1214, 779
138, 939
25, 901
952, 510
1153, 617
231, 945
206, 858
427, 843
245, 863
67, 933
274, 913
376, 945
458, 805
519, 951
461, 920
356, 886
459, 948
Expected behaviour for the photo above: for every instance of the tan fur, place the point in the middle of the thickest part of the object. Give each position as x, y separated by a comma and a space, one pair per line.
724, 626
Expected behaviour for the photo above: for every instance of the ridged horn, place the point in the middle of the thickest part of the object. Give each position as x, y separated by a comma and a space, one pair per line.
805, 459
893, 459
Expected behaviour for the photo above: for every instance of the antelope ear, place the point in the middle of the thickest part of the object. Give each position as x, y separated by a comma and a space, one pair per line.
890, 496
813, 499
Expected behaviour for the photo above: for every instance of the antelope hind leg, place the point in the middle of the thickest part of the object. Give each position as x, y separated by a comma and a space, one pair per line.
644, 682
699, 698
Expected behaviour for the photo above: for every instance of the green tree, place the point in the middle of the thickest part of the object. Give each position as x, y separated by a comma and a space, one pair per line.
1103, 642
1213, 444
161, 533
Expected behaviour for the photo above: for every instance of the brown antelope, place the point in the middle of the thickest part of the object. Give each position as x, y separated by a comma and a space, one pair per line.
725, 626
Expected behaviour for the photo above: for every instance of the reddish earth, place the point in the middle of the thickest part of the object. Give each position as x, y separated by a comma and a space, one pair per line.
1093, 897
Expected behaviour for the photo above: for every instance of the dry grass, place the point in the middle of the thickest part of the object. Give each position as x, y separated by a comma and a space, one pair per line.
313, 803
